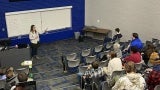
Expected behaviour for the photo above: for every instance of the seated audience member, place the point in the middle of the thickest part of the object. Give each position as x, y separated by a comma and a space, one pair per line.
134, 56
131, 81
147, 52
154, 58
93, 72
22, 77
114, 64
11, 77
117, 50
153, 77
117, 36
135, 42
2, 74
94, 68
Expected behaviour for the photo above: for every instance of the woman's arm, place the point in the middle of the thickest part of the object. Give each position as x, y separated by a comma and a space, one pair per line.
127, 47
31, 37
44, 31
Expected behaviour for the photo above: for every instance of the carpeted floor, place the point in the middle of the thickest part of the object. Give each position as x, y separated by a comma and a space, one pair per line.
48, 71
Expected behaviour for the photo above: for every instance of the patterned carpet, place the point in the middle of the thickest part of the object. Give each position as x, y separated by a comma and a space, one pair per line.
48, 71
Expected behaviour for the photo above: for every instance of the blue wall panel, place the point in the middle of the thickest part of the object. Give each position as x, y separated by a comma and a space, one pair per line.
77, 17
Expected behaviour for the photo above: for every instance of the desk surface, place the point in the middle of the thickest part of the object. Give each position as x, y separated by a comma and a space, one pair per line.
102, 31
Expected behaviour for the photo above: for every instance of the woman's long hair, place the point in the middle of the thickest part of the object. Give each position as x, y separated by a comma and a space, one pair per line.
31, 30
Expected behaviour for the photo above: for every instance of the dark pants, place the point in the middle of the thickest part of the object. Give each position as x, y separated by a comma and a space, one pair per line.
34, 48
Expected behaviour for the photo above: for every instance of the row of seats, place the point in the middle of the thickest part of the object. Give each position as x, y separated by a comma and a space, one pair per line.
89, 55
86, 54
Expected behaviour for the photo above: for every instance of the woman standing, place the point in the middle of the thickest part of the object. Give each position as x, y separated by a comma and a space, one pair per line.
34, 39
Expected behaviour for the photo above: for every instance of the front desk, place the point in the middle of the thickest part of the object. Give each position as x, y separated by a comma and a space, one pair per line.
14, 57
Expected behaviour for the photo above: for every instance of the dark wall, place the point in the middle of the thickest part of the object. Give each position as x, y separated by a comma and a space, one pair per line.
77, 17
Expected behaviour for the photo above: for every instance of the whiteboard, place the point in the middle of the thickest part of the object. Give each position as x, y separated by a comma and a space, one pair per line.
56, 19
19, 23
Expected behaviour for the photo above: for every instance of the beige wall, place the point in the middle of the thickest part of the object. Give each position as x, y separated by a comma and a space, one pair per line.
141, 16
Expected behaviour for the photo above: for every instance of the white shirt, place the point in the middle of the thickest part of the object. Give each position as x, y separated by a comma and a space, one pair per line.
132, 81
114, 64
34, 37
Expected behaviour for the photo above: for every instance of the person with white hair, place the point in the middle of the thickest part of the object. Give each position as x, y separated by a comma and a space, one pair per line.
117, 50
